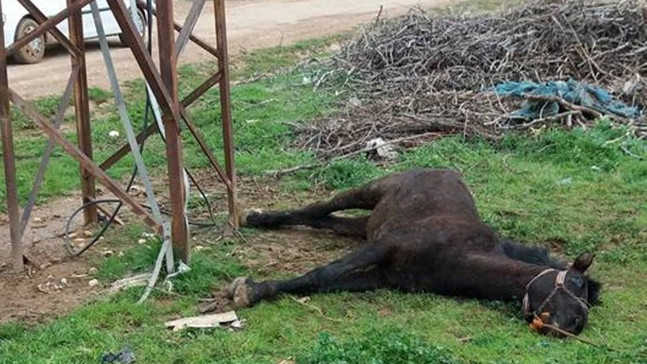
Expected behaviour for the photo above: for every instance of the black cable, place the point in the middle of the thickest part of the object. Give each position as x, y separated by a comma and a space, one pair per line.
204, 196
67, 244
66, 240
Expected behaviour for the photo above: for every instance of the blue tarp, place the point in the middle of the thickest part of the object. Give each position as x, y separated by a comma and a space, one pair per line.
572, 91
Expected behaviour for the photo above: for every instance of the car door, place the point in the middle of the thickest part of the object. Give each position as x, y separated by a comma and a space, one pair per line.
53, 7
108, 20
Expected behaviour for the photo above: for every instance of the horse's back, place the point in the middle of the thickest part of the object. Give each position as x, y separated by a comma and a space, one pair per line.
422, 193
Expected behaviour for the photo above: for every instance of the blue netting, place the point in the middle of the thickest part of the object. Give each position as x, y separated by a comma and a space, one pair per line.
572, 91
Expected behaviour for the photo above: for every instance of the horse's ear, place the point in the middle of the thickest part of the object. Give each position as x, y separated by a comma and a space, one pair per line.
583, 262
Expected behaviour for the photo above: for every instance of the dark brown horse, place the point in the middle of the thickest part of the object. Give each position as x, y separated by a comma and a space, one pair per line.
425, 235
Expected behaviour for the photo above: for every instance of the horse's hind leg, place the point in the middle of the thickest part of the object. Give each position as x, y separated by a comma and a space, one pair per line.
365, 197
345, 226
358, 271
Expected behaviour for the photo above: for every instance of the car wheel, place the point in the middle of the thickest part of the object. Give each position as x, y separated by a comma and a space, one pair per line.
142, 32
34, 51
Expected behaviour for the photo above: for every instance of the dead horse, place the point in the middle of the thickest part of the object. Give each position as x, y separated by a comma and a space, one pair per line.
425, 235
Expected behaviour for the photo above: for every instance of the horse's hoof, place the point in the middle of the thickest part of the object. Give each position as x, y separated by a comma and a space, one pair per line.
243, 217
242, 296
240, 291
231, 288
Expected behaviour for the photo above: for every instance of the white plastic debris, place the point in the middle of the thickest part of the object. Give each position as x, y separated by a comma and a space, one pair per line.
139, 280
181, 269
113, 134
205, 321
384, 149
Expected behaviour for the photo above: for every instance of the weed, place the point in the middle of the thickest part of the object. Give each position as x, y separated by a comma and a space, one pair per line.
391, 347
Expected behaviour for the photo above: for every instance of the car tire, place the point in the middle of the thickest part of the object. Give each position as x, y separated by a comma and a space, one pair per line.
142, 18
34, 51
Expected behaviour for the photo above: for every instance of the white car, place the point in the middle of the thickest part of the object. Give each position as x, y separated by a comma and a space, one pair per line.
18, 22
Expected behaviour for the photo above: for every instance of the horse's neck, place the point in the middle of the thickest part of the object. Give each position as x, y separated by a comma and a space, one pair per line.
499, 277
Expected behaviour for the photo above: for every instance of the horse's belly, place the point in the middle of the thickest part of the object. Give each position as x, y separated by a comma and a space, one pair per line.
416, 276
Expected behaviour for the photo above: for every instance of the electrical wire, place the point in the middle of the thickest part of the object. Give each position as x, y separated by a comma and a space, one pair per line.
147, 111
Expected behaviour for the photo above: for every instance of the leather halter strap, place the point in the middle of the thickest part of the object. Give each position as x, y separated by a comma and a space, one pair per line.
559, 284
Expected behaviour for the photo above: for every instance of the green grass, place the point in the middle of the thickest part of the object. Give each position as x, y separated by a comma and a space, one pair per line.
520, 190
574, 191
99, 95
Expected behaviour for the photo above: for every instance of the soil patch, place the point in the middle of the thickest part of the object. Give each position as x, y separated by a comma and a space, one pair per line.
55, 284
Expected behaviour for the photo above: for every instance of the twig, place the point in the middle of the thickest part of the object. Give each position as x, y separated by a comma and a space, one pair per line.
566, 333
543, 120
379, 14
279, 172
237, 232
629, 153
569, 105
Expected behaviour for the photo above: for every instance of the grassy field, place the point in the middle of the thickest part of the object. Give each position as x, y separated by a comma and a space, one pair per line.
572, 191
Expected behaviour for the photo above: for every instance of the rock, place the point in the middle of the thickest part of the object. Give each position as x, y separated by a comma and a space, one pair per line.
108, 253
237, 325
141, 241
64, 281
42, 288
126, 356
355, 101
565, 182
93, 283
37, 219
93, 270
87, 233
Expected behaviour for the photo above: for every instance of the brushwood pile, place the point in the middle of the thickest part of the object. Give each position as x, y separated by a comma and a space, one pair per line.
416, 77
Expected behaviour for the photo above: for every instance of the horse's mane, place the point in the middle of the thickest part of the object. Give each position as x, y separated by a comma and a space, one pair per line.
541, 256
530, 254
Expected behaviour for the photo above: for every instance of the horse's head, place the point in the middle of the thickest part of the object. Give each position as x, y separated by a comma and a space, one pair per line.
561, 298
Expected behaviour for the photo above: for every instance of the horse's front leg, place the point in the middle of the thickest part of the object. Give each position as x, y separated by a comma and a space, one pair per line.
358, 271
317, 214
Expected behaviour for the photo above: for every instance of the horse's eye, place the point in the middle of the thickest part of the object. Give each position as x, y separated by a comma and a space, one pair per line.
578, 282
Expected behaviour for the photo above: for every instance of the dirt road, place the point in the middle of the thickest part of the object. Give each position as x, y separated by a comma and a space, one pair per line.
251, 24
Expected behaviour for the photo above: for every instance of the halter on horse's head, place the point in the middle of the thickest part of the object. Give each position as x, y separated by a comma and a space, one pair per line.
560, 298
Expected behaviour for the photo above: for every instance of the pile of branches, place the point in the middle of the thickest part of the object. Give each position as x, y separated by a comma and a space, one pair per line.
423, 74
